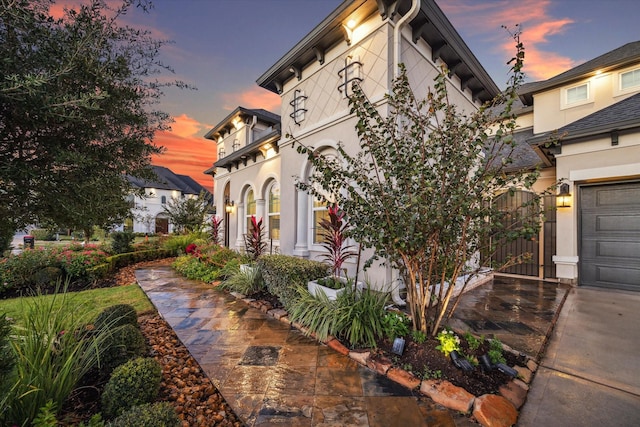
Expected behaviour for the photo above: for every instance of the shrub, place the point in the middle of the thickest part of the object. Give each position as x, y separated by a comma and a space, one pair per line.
76, 260
282, 274
7, 359
495, 351
17, 271
355, 316
53, 353
160, 414
134, 383
220, 256
395, 325
229, 269
121, 242
116, 315
178, 243
43, 234
47, 276
122, 343
193, 268
245, 281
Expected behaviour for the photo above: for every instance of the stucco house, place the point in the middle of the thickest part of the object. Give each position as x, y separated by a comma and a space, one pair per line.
147, 213
595, 240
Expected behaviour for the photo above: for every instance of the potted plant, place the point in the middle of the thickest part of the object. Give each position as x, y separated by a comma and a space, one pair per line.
254, 242
337, 252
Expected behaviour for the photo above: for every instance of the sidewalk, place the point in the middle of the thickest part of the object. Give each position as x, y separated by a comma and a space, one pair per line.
590, 374
270, 373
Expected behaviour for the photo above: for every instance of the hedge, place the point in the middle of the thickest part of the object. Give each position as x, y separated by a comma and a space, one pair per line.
118, 261
283, 273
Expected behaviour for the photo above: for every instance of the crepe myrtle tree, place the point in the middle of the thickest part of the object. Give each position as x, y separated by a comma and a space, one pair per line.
419, 191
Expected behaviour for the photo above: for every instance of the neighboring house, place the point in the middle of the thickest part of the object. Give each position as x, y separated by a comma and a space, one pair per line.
594, 111
147, 213
593, 108
361, 40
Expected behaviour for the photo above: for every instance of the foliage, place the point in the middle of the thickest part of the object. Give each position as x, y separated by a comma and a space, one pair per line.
17, 271
354, 315
122, 343
418, 337
421, 194
43, 234
78, 98
95, 421
395, 325
473, 342
449, 342
134, 383
46, 416
76, 260
246, 281
52, 352
121, 242
188, 215
333, 240
254, 241
495, 352
283, 273
45, 277
178, 244
116, 315
216, 230
160, 414
7, 359
192, 268
230, 268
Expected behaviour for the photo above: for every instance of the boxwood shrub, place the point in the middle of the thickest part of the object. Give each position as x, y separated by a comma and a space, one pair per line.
283, 273
160, 414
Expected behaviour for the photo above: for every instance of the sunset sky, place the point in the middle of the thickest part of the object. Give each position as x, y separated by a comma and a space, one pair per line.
222, 47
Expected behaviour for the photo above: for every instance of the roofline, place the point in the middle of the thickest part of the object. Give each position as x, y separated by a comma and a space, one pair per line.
275, 77
235, 158
588, 132
239, 111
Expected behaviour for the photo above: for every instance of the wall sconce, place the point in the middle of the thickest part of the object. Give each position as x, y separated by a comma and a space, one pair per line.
228, 206
563, 199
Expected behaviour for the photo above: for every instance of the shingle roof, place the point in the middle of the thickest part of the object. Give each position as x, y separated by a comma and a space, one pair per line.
168, 180
617, 58
619, 116
523, 156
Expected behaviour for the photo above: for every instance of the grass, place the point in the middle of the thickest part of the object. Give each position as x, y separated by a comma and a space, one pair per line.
88, 303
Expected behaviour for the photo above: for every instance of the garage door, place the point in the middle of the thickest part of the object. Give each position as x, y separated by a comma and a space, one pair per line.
610, 236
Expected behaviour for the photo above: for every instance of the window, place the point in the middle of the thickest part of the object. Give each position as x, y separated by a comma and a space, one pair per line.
274, 211
250, 210
630, 79
320, 211
163, 200
577, 95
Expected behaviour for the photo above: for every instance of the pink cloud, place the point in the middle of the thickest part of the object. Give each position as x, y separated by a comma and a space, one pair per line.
255, 97
186, 152
535, 21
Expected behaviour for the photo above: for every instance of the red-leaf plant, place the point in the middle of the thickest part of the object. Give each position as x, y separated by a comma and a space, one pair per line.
254, 239
333, 240
216, 228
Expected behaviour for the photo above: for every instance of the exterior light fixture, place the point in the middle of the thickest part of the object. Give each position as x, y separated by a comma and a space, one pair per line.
228, 206
563, 199
351, 24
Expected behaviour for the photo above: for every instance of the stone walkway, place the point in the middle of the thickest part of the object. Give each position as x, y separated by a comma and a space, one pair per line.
270, 373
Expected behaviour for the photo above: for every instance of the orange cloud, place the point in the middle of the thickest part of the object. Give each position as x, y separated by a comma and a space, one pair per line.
186, 152
255, 97
534, 20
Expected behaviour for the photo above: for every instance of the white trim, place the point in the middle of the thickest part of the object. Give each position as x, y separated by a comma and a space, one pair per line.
619, 171
564, 103
565, 260
618, 90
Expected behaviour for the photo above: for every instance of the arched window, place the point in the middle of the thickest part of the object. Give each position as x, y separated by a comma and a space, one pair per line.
250, 209
163, 200
273, 211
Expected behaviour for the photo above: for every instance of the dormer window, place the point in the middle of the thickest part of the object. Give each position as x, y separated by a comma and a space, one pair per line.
576, 95
298, 104
630, 80
351, 73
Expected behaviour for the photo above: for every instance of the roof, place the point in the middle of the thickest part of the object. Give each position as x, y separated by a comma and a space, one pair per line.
617, 58
168, 180
523, 156
430, 24
620, 116
250, 151
242, 113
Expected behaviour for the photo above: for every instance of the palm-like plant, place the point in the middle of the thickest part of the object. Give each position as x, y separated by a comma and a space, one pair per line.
333, 240
254, 239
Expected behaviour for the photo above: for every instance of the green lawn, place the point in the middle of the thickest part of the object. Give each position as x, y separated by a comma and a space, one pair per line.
88, 303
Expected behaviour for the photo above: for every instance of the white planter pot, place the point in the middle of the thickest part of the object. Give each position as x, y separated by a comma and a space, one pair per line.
248, 268
314, 288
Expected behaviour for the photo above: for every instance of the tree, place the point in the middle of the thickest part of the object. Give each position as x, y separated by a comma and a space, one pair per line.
420, 188
188, 215
76, 110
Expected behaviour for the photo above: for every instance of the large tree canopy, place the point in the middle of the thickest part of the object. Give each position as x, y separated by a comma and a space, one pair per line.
419, 191
77, 111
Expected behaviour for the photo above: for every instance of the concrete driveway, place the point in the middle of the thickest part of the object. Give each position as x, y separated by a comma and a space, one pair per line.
590, 374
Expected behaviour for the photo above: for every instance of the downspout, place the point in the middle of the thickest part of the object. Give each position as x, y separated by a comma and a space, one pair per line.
397, 46
397, 36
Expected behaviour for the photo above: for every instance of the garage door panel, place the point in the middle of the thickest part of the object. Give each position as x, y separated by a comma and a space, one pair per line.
619, 277
612, 249
610, 235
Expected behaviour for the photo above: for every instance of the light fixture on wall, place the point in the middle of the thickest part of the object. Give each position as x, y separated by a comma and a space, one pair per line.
228, 206
563, 199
